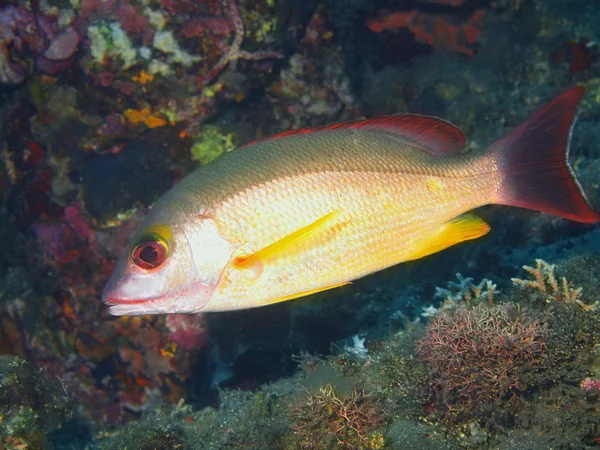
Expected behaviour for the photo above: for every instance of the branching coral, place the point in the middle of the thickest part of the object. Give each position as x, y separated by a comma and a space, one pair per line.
349, 421
466, 291
481, 354
545, 283
235, 52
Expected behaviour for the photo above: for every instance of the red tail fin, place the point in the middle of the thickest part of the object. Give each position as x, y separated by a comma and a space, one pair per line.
534, 160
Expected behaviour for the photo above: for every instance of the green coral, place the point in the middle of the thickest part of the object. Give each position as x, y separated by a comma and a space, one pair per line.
210, 143
396, 374
244, 420
327, 420
260, 23
165, 42
31, 406
111, 41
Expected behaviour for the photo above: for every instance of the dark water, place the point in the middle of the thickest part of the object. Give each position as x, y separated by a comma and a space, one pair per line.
107, 103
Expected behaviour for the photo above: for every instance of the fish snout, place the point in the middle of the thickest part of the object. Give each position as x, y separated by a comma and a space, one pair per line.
128, 295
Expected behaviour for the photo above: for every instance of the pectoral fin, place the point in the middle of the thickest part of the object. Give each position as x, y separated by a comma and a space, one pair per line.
287, 245
459, 229
305, 293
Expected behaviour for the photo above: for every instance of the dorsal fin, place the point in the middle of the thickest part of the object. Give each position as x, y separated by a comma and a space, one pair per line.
436, 136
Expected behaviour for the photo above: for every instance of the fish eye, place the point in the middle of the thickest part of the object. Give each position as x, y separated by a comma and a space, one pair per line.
149, 254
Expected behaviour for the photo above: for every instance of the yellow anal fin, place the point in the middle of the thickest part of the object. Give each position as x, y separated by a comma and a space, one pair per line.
286, 245
462, 228
305, 293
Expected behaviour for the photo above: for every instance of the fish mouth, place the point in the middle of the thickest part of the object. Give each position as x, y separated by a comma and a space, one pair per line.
125, 310
128, 307
125, 301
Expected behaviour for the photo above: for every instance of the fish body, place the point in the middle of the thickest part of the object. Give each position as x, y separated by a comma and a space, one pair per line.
311, 210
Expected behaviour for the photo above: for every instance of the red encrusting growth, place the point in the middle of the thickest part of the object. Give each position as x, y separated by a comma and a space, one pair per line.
534, 159
440, 31
436, 136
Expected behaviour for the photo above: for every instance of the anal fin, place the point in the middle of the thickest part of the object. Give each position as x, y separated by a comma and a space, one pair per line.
462, 228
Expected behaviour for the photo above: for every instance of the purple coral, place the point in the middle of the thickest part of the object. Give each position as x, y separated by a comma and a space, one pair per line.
64, 46
21, 29
62, 242
591, 385
481, 354
187, 330
13, 21
235, 52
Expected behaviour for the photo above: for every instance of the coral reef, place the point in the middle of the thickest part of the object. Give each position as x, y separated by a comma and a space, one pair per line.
351, 421
313, 89
544, 282
32, 407
245, 420
211, 143
107, 103
590, 385
23, 30
477, 375
550, 347
481, 356
436, 31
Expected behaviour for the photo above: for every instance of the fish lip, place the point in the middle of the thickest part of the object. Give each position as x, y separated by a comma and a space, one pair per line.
124, 301
123, 306
123, 309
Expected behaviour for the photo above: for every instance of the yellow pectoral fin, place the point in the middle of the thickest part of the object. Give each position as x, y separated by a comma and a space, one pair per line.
286, 245
459, 229
303, 294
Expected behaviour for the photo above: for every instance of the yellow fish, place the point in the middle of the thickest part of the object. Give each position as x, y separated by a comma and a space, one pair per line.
310, 210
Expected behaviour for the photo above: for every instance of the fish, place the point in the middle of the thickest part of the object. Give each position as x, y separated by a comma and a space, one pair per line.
314, 209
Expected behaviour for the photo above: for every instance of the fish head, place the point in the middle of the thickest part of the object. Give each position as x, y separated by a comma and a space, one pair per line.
173, 264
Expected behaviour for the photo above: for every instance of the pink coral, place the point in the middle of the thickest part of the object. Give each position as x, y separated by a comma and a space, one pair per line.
79, 224
175, 7
63, 242
64, 46
198, 26
20, 30
481, 354
101, 7
50, 237
13, 23
132, 20
591, 385
186, 330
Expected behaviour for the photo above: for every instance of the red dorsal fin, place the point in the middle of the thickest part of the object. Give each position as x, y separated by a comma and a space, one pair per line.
435, 136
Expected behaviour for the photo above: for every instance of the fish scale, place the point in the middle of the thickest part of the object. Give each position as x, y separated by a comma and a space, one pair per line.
310, 210
379, 228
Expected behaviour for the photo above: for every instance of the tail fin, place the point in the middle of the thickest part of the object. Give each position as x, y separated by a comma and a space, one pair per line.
534, 161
